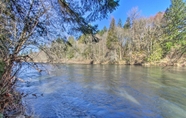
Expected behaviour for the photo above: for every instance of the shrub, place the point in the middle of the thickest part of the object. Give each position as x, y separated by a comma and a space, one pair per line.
156, 54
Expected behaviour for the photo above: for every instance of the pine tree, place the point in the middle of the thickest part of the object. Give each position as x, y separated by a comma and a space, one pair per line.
105, 29
70, 47
175, 24
127, 24
120, 23
102, 31
111, 38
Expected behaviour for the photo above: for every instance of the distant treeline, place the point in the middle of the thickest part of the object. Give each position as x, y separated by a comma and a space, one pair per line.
139, 40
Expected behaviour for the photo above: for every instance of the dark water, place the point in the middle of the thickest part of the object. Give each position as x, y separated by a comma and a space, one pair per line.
105, 91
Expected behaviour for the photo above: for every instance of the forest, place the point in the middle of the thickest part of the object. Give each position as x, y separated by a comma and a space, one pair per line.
60, 31
156, 40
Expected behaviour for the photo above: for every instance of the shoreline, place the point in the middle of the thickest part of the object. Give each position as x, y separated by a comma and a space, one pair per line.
161, 63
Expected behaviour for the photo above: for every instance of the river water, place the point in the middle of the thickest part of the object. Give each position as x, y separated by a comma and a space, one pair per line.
104, 91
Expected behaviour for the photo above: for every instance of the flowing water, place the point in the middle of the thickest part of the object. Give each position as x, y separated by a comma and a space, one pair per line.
104, 91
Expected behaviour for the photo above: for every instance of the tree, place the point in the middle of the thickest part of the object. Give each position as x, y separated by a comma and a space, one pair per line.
120, 36
127, 24
58, 50
84, 39
120, 23
26, 23
20, 26
174, 25
102, 31
71, 47
154, 35
112, 41
111, 38
133, 14
105, 29
130, 28
75, 13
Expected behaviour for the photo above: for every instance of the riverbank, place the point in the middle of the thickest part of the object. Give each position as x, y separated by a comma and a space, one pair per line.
167, 62
10, 102
11, 105
135, 59
161, 63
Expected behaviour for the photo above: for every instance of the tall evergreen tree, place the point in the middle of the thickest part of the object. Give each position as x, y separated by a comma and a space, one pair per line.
120, 23
127, 24
102, 31
175, 24
111, 38
105, 29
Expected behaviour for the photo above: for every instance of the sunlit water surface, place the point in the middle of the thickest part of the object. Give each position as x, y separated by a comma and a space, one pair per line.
104, 91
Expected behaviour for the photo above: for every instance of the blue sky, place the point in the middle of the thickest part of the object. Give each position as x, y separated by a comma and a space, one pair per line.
147, 8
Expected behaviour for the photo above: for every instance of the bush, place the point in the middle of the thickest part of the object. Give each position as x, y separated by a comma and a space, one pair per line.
156, 55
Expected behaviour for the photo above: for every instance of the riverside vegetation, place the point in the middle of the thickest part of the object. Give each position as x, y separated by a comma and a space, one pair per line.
27, 26
156, 40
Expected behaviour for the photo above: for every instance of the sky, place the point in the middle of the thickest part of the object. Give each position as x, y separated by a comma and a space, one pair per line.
147, 8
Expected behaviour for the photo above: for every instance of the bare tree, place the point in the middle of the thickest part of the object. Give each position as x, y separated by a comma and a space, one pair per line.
120, 35
21, 25
32, 23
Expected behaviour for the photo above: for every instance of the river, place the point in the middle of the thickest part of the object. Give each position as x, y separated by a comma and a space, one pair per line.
104, 91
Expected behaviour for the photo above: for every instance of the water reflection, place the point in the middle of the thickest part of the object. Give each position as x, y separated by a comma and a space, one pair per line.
107, 91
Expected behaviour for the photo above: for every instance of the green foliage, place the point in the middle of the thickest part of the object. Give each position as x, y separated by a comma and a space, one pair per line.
90, 10
168, 45
120, 23
174, 26
83, 39
156, 55
86, 53
60, 40
71, 40
102, 31
70, 53
127, 24
111, 37
183, 42
2, 65
70, 49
